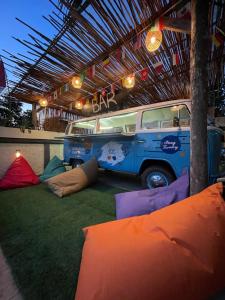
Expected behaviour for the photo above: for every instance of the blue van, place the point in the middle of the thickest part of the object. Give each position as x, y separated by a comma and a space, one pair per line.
152, 141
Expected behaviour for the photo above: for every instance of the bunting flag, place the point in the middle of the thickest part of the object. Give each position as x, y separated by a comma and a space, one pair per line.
71, 106
144, 74
158, 67
158, 25
83, 76
91, 72
112, 88
137, 42
95, 96
106, 62
176, 59
2, 76
66, 87
60, 91
185, 11
103, 92
218, 39
55, 95
120, 54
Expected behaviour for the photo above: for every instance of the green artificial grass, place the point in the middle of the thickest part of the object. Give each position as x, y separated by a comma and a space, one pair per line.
41, 236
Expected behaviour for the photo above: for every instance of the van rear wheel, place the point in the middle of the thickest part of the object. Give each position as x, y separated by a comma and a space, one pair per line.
76, 163
156, 176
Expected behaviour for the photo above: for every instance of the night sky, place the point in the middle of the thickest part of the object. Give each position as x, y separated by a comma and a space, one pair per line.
31, 12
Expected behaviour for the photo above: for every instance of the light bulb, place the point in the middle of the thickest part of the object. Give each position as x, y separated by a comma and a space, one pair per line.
18, 154
153, 39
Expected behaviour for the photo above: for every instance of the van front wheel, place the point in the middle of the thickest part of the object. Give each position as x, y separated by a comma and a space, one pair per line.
156, 176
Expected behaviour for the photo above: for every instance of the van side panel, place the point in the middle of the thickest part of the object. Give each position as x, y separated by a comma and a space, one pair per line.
172, 147
113, 152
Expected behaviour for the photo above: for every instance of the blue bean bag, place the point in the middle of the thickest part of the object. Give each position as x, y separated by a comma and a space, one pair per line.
53, 168
142, 202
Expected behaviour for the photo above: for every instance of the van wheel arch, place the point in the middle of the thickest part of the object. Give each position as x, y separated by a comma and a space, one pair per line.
156, 166
75, 162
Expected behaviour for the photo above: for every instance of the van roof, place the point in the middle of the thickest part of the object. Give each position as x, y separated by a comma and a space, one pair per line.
133, 109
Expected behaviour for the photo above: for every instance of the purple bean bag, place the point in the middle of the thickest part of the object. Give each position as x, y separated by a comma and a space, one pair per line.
146, 201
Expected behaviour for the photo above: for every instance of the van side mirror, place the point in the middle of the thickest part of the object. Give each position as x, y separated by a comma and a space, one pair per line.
176, 122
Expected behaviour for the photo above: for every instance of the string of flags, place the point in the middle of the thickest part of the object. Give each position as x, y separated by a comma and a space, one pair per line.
152, 42
158, 67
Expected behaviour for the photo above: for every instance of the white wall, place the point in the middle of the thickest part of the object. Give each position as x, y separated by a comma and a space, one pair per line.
33, 153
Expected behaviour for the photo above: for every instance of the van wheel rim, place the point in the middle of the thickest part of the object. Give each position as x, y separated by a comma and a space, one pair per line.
156, 179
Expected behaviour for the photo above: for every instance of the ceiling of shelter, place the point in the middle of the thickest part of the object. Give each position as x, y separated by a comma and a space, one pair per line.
90, 32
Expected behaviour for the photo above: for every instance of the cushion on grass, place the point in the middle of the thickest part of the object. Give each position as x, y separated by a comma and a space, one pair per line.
75, 179
53, 168
142, 202
19, 174
174, 253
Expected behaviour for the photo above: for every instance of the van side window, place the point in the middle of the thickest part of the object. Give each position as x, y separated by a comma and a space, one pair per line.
118, 124
184, 116
166, 117
85, 127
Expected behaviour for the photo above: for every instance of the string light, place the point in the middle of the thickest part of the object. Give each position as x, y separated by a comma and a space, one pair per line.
43, 102
87, 106
79, 104
153, 40
129, 81
76, 82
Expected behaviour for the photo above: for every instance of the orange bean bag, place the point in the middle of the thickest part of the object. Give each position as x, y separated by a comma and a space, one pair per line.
176, 253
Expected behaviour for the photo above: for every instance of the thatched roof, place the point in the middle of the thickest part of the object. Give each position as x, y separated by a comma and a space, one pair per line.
90, 31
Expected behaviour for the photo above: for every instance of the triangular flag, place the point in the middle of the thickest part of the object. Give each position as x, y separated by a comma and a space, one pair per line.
2, 76
158, 67
60, 91
91, 72
95, 97
218, 39
112, 87
185, 11
71, 106
49, 98
158, 25
176, 59
82, 76
103, 92
66, 87
55, 95
118, 54
106, 62
137, 42
144, 74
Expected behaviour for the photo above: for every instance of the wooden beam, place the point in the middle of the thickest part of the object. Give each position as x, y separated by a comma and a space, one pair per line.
199, 95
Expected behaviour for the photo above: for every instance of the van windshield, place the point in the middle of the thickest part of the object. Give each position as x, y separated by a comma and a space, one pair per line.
83, 127
118, 124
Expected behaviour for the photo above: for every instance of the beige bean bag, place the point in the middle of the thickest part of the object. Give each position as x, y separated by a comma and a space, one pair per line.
75, 179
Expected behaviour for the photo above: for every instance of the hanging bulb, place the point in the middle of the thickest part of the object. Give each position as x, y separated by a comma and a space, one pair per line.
76, 82
87, 106
43, 102
153, 40
79, 104
129, 81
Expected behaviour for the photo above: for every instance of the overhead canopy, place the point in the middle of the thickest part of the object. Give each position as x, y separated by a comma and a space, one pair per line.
91, 31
